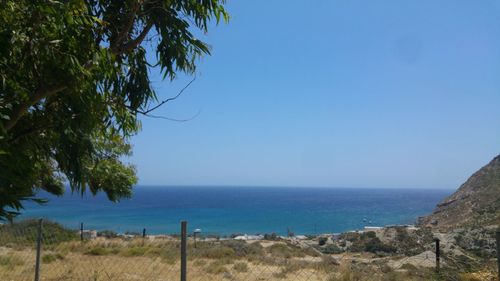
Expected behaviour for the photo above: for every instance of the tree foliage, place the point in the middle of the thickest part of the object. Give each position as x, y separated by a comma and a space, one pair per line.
74, 76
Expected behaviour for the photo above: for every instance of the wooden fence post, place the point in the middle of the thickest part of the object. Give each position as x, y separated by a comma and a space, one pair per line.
183, 250
498, 253
38, 249
438, 255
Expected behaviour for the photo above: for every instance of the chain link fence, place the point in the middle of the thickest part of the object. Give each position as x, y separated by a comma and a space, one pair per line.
42, 250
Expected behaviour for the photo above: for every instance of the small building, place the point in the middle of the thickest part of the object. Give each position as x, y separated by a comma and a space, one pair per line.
248, 237
89, 234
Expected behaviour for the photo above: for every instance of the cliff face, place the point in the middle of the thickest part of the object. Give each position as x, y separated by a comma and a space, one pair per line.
475, 204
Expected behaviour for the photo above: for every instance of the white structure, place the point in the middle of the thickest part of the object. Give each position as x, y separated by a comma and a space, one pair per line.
373, 228
249, 237
89, 234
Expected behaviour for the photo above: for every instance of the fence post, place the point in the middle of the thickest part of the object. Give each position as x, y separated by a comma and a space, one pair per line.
498, 253
81, 231
438, 254
183, 250
38, 250
143, 233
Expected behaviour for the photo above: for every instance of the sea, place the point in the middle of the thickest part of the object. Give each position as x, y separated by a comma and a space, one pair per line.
229, 210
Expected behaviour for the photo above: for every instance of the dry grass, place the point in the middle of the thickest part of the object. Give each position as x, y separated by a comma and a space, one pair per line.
138, 259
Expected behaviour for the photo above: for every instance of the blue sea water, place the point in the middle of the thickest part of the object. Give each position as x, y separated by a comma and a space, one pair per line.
251, 210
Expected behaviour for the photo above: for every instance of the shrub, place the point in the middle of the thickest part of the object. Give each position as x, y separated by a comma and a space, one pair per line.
168, 253
216, 267
375, 245
322, 241
285, 251
217, 252
98, 251
48, 258
240, 267
280, 275
199, 262
327, 264
24, 233
369, 234
134, 251
331, 249
402, 234
244, 249
10, 261
292, 267
271, 237
107, 234
351, 236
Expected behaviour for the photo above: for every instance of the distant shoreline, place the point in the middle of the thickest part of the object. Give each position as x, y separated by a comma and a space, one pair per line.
224, 211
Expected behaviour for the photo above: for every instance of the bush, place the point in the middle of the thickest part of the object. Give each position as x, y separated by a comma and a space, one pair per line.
134, 251
48, 258
375, 245
10, 261
98, 251
322, 241
107, 234
24, 233
244, 249
285, 251
216, 267
168, 253
327, 264
240, 267
369, 234
331, 249
217, 252
271, 237
199, 262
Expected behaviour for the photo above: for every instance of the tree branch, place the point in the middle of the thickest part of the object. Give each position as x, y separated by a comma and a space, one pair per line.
125, 29
21, 109
169, 99
129, 46
172, 119
28, 132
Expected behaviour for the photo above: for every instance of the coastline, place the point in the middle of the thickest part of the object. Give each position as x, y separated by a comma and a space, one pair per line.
225, 211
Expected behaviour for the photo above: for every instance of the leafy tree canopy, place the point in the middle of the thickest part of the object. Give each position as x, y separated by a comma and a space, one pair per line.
73, 80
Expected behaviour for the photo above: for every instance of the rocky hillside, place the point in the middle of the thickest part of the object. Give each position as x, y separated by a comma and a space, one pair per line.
475, 204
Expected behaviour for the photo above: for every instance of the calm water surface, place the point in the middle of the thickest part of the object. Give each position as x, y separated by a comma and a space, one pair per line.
228, 210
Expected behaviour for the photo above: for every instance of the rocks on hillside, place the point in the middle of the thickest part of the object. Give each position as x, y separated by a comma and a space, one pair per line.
476, 204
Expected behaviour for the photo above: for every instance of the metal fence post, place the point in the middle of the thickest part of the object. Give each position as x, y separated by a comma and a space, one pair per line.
81, 231
498, 253
438, 255
38, 250
183, 250
143, 233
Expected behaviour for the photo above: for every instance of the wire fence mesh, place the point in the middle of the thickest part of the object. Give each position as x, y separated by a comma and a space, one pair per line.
76, 254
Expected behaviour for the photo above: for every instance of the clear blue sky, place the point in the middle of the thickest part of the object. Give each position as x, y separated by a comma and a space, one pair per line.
334, 93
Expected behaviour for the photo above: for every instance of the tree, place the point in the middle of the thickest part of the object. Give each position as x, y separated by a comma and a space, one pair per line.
74, 76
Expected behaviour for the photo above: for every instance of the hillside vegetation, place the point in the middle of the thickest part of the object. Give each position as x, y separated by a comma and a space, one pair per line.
476, 204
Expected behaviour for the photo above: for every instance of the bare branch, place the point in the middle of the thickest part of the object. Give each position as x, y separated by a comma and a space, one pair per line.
172, 119
169, 99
